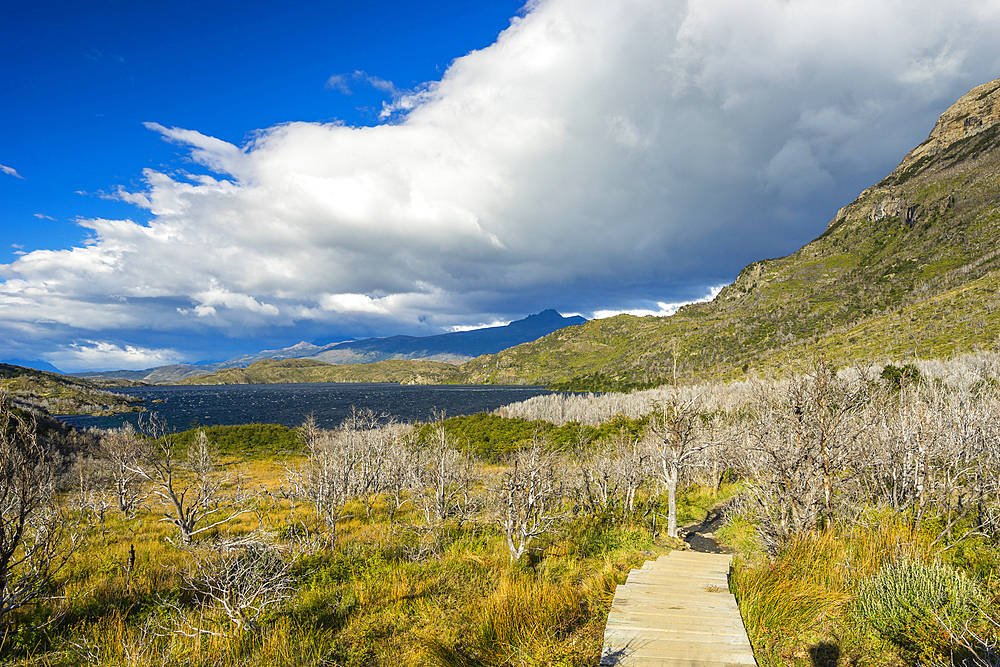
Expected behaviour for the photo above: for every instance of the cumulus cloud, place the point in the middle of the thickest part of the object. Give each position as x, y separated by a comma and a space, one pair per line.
598, 155
96, 354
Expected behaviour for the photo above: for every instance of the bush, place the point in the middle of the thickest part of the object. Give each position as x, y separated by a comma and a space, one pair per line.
898, 377
918, 606
247, 441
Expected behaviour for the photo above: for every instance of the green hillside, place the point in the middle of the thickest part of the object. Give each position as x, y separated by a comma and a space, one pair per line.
270, 371
59, 394
909, 268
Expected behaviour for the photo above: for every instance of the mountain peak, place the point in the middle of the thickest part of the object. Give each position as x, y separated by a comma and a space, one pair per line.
549, 315
975, 112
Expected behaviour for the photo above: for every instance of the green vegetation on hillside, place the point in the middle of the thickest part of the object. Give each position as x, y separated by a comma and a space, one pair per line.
61, 395
310, 370
910, 268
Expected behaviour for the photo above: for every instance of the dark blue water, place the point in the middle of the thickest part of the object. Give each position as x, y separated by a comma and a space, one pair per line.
289, 404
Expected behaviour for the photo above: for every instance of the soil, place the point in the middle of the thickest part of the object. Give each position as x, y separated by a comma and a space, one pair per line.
701, 536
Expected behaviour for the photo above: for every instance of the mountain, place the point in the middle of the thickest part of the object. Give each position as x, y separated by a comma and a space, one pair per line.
453, 348
297, 351
156, 375
910, 268
36, 364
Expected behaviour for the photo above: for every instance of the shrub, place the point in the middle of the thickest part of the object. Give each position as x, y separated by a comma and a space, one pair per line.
916, 605
898, 377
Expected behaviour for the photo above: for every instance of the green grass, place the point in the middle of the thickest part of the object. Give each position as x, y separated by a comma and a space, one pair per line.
375, 599
866, 589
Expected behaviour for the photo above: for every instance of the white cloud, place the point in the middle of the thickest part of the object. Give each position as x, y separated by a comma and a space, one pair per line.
109, 356
481, 325
664, 309
339, 82
352, 303
342, 83
599, 154
10, 171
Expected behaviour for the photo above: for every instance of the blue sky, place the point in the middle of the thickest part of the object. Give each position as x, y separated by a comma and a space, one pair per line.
80, 79
183, 181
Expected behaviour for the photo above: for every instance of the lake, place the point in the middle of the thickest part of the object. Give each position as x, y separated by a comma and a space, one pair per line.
182, 407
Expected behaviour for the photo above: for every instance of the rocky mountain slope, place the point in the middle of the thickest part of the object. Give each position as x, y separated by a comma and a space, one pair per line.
910, 268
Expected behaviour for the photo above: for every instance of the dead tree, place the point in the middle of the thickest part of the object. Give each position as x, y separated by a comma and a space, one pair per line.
328, 480
197, 493
801, 444
399, 474
241, 583
124, 448
36, 539
366, 434
673, 439
610, 475
527, 498
445, 476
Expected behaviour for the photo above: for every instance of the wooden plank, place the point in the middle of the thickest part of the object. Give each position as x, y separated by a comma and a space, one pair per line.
677, 611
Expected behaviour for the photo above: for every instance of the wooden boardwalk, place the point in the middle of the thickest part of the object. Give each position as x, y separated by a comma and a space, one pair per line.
677, 611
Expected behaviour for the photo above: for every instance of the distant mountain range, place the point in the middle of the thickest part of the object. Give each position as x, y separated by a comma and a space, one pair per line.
454, 348
36, 364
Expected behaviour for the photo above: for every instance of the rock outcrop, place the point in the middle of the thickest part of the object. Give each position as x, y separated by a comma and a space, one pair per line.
975, 112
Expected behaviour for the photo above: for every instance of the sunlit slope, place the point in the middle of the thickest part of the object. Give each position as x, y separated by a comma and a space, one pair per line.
270, 371
59, 394
910, 267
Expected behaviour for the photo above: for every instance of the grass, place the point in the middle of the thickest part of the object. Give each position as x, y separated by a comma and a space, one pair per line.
826, 592
375, 599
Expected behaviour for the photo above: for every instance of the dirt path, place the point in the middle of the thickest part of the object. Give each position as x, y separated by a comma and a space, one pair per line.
701, 536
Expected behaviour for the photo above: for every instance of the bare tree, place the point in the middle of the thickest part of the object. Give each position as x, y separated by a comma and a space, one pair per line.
527, 498
400, 477
240, 583
674, 439
610, 474
445, 477
36, 539
802, 445
196, 491
366, 434
124, 448
328, 478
